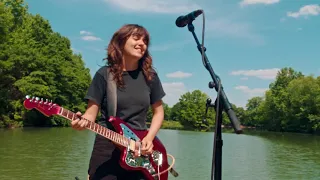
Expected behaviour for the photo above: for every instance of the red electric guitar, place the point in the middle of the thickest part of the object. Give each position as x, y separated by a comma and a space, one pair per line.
154, 166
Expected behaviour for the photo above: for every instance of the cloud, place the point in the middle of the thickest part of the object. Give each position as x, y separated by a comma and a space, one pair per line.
308, 10
220, 27
178, 74
260, 73
155, 6
88, 36
252, 92
223, 27
85, 33
173, 92
169, 45
282, 19
254, 2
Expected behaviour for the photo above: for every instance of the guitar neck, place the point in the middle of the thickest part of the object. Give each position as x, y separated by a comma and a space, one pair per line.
97, 128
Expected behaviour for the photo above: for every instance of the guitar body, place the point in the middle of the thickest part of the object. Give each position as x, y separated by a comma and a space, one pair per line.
148, 165
154, 166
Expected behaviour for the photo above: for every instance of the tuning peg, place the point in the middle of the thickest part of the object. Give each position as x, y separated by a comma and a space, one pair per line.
27, 97
37, 99
46, 101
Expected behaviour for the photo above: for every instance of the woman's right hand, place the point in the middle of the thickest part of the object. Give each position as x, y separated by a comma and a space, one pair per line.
79, 124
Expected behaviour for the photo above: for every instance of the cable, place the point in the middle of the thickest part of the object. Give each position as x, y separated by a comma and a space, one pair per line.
202, 39
159, 173
219, 90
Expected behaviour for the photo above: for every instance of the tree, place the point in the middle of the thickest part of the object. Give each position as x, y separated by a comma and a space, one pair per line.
275, 98
190, 111
39, 62
253, 111
303, 115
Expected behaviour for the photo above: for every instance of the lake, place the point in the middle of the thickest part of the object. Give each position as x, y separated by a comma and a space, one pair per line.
63, 154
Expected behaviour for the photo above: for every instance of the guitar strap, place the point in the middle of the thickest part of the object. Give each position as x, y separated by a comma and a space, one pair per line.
111, 94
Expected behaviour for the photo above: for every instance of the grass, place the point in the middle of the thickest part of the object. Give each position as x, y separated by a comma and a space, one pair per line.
170, 125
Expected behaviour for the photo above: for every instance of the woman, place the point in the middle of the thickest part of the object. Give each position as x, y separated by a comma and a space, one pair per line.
138, 88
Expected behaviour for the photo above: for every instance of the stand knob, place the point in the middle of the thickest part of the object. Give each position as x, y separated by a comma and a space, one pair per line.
204, 121
211, 85
208, 101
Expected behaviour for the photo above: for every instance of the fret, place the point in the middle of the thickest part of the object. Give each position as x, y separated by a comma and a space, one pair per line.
70, 115
64, 113
123, 141
62, 109
109, 134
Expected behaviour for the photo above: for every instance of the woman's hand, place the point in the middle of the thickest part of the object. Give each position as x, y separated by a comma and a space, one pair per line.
147, 145
79, 124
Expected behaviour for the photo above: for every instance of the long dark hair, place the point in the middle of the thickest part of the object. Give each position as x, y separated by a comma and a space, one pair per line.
115, 54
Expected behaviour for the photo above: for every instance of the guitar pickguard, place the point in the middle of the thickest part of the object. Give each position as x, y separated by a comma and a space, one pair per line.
142, 161
128, 133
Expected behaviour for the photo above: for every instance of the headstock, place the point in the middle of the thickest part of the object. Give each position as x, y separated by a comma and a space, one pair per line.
46, 107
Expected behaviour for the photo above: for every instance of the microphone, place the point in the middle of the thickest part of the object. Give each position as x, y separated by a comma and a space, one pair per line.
182, 21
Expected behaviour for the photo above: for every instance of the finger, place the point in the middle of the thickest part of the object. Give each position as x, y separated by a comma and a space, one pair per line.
83, 123
145, 145
137, 150
150, 149
78, 113
75, 123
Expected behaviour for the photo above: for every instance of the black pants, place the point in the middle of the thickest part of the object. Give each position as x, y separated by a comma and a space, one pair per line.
104, 163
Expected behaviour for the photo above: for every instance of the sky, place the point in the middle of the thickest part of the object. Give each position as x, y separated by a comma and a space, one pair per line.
247, 41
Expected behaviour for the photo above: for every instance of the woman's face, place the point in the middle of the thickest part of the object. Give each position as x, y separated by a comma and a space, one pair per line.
135, 47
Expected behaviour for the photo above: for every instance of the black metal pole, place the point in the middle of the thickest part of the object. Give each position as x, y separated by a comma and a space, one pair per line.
223, 104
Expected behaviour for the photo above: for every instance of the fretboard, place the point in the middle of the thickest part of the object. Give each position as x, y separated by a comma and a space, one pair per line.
97, 128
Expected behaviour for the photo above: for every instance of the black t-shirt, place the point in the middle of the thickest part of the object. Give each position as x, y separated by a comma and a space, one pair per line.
133, 100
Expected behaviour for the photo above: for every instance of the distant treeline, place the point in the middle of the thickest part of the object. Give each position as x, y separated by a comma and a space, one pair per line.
292, 104
37, 61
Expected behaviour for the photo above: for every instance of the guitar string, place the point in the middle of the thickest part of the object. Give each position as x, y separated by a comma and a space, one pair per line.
62, 110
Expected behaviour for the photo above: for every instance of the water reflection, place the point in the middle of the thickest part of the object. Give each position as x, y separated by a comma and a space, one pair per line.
63, 153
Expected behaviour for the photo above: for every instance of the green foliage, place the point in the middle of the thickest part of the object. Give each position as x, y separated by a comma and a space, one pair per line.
292, 104
36, 61
191, 109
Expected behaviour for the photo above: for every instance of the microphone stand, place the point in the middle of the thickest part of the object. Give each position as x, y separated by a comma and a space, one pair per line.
221, 103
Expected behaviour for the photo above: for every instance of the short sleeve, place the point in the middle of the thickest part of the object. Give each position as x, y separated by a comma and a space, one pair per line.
96, 90
157, 92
